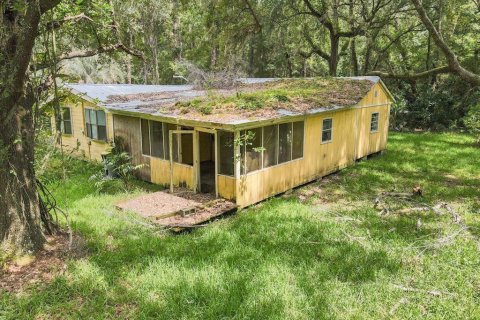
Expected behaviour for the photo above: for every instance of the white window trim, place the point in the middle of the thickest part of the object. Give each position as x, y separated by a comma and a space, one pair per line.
85, 125
331, 131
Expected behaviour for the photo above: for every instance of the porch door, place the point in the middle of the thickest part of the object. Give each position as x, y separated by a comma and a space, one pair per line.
182, 157
206, 165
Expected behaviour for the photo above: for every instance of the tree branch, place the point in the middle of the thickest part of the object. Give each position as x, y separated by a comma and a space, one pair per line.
99, 50
453, 63
59, 23
411, 76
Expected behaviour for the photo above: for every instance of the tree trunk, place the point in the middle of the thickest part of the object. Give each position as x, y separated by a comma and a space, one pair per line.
20, 222
333, 61
353, 53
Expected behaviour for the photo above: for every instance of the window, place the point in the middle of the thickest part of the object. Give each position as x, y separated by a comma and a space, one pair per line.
297, 145
96, 124
145, 137
156, 139
226, 152
251, 151
66, 124
284, 142
270, 138
327, 127
154, 134
374, 122
277, 143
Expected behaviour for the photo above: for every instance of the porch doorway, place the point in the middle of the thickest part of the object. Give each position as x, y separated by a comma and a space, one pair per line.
207, 172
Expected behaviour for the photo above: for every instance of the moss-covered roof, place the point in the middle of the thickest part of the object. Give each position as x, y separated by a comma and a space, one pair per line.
250, 101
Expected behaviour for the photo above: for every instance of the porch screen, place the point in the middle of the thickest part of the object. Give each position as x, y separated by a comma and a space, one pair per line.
284, 142
297, 147
251, 151
226, 153
270, 139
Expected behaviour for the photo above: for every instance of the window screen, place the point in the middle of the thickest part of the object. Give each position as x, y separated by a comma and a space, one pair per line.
96, 124
145, 137
297, 146
284, 142
270, 138
226, 153
66, 121
253, 149
166, 133
156, 139
374, 122
327, 127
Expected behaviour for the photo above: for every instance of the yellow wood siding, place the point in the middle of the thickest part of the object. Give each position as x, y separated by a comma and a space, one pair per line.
78, 143
349, 125
226, 187
160, 171
351, 140
183, 175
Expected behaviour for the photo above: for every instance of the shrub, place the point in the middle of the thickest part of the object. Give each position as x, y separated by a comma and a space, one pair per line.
118, 170
472, 121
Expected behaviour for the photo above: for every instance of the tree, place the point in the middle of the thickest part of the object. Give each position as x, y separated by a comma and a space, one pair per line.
20, 222
21, 25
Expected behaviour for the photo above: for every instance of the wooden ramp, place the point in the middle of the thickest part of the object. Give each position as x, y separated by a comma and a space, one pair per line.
180, 210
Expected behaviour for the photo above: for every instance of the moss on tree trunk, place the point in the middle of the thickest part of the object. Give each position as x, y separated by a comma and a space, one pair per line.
20, 222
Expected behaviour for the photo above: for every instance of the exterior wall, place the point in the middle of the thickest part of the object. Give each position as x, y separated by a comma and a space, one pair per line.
226, 187
78, 143
351, 139
128, 132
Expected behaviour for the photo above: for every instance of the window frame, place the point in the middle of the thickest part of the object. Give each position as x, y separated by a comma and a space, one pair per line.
141, 138
377, 121
164, 127
323, 130
62, 127
277, 146
96, 124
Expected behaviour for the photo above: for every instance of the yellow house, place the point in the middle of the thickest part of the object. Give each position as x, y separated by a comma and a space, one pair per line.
259, 139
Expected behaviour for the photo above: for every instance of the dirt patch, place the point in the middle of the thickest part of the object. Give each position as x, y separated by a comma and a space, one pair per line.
183, 208
21, 273
158, 204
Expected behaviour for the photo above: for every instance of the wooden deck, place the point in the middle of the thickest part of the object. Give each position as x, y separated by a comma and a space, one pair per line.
180, 210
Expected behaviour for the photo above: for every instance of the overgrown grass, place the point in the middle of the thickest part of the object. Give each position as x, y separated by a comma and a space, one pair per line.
332, 257
285, 94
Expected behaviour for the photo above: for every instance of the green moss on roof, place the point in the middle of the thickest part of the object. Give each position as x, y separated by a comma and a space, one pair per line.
298, 95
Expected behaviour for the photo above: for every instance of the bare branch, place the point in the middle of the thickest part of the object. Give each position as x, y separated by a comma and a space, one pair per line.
59, 23
412, 76
99, 50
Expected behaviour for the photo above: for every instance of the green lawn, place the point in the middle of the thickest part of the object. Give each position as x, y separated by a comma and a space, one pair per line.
330, 257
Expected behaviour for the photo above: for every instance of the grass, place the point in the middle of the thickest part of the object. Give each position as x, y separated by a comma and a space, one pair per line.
332, 257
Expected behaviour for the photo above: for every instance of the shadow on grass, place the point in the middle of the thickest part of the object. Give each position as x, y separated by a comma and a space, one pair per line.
446, 168
257, 264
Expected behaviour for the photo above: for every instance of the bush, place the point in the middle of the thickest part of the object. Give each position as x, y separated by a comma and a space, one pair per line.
472, 122
118, 171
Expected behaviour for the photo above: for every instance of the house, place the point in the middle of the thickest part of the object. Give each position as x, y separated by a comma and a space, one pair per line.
246, 144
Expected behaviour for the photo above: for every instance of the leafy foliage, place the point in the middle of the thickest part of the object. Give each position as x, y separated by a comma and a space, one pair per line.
472, 121
118, 172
